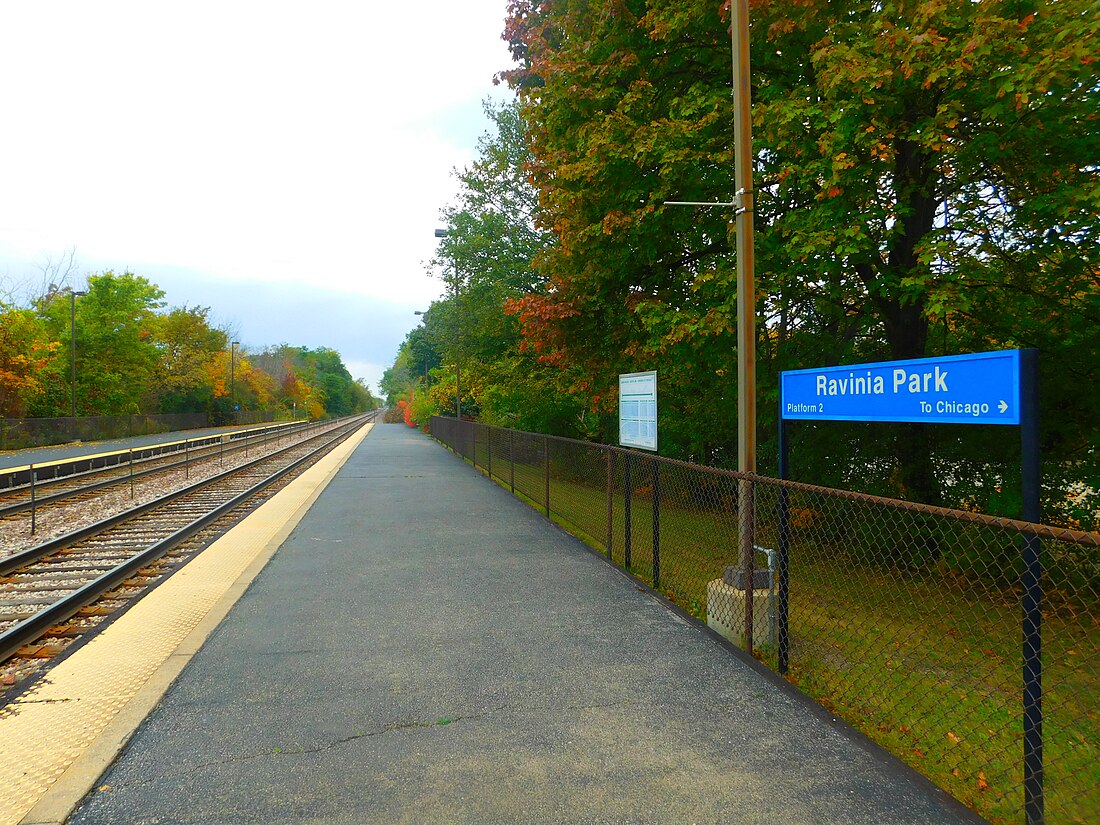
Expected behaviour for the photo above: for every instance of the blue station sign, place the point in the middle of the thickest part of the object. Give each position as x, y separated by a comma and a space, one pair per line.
982, 388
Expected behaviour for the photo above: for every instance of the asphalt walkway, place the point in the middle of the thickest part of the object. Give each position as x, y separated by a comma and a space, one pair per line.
426, 648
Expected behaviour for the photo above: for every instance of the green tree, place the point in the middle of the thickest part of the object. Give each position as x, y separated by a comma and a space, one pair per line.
117, 353
487, 260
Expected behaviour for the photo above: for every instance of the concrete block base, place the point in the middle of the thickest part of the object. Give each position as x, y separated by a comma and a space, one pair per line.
726, 613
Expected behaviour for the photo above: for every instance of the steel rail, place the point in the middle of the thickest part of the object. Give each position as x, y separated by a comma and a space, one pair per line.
27, 630
32, 554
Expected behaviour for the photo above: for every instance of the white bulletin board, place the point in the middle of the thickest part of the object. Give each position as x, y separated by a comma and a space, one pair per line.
638, 410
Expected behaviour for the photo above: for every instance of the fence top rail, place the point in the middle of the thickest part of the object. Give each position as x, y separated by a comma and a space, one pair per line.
1061, 534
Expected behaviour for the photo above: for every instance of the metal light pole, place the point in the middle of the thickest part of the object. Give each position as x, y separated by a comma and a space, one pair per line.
746, 296
746, 291
443, 233
423, 313
232, 377
72, 341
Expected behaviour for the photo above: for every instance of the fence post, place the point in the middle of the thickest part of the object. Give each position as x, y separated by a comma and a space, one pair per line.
131, 472
546, 464
782, 626
512, 460
656, 523
186, 458
610, 534
626, 508
489, 438
34, 513
1032, 586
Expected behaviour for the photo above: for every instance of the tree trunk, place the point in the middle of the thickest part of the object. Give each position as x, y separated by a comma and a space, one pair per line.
903, 315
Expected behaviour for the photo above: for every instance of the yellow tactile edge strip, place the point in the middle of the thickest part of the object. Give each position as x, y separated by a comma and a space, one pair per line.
58, 738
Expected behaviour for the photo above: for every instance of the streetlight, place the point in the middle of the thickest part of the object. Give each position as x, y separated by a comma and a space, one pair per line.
746, 297
72, 340
443, 233
232, 377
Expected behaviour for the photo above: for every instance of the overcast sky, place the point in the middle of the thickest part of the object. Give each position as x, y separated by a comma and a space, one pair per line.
283, 163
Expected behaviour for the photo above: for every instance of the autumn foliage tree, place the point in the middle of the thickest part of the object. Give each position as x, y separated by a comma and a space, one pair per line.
188, 366
926, 183
27, 365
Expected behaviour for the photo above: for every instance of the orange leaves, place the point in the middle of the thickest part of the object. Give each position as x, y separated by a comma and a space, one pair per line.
882, 151
534, 308
779, 28
615, 221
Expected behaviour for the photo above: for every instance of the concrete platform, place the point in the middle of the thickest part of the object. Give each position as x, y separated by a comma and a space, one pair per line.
425, 648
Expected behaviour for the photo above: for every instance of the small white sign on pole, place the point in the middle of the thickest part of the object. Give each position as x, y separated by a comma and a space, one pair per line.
638, 410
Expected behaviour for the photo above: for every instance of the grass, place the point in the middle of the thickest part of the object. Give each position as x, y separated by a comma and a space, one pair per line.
920, 659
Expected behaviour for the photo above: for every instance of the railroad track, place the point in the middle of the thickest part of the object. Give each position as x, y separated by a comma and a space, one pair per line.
116, 559
38, 487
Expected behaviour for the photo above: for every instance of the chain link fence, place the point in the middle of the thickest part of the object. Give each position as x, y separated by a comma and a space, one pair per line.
21, 433
904, 620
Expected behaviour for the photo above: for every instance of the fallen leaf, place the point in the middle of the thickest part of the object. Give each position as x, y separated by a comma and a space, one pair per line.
982, 784
104, 788
953, 738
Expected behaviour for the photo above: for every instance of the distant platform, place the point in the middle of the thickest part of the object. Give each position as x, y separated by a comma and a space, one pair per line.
77, 449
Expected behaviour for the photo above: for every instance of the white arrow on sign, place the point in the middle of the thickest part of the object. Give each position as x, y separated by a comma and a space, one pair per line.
1002, 407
